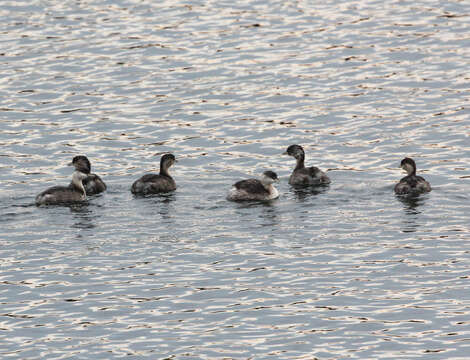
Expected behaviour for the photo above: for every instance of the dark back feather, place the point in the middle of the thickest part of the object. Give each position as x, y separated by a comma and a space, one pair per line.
251, 186
93, 184
153, 184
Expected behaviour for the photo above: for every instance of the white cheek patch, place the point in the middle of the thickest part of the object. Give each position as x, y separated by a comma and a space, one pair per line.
267, 180
408, 168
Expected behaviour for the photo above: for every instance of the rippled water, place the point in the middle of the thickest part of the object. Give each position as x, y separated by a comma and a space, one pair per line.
347, 272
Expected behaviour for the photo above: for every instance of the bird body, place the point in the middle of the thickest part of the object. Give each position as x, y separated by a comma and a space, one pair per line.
75, 192
305, 175
92, 183
254, 189
411, 183
156, 183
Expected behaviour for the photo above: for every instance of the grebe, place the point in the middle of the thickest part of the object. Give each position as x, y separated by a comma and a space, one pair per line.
93, 183
156, 183
301, 174
254, 189
411, 183
64, 194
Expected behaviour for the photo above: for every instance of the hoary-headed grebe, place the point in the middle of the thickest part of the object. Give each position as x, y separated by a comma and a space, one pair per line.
93, 183
156, 183
254, 189
64, 194
301, 174
411, 183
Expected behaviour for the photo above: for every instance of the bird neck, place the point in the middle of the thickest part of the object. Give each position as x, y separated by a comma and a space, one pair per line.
272, 191
300, 162
164, 170
410, 170
78, 184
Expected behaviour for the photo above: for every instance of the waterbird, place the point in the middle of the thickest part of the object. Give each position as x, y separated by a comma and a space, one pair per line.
304, 175
254, 189
92, 183
411, 183
75, 192
156, 183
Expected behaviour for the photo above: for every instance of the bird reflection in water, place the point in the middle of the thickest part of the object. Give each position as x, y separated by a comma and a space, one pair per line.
83, 216
302, 193
164, 206
268, 213
411, 205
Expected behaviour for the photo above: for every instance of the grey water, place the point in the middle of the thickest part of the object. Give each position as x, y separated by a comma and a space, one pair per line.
349, 271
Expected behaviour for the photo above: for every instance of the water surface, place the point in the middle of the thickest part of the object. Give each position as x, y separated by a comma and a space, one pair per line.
345, 272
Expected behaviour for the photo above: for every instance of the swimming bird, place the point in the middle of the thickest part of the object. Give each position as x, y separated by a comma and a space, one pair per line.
92, 183
75, 192
254, 189
156, 183
411, 183
301, 174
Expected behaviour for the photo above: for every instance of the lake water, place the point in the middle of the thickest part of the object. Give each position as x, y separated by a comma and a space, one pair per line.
346, 272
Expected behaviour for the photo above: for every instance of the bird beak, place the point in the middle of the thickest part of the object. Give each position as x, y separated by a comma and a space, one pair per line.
70, 164
285, 153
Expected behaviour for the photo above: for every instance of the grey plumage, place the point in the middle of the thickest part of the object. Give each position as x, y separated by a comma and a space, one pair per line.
411, 183
254, 189
64, 194
156, 183
253, 186
92, 183
304, 175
